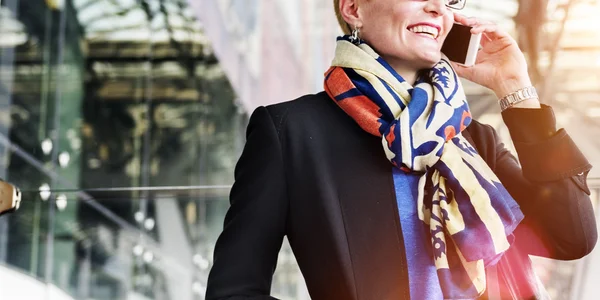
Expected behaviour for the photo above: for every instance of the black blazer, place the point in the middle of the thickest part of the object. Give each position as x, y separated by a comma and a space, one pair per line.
310, 172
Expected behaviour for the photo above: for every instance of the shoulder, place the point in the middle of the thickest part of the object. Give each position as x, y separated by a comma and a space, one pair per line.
485, 139
302, 105
312, 108
479, 130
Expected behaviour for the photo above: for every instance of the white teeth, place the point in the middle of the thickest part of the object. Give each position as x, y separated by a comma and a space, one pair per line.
434, 32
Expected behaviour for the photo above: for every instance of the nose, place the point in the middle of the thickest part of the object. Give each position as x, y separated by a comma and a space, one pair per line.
436, 7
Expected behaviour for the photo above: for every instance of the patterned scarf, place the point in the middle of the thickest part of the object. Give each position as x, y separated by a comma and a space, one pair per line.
470, 214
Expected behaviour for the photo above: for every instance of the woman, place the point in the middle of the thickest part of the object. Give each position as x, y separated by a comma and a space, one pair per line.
443, 211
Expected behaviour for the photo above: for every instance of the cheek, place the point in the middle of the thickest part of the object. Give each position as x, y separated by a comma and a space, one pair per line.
448, 24
378, 34
449, 20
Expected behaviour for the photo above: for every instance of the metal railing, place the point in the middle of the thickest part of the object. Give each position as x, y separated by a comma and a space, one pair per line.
573, 277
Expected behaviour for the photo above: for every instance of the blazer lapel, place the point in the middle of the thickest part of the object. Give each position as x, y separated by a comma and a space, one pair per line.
370, 214
373, 230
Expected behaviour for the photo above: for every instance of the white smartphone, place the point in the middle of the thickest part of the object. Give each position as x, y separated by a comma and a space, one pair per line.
461, 46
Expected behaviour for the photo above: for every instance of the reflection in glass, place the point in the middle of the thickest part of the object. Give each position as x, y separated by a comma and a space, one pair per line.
99, 95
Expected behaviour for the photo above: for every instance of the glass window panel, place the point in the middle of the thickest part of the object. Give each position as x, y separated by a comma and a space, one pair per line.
104, 100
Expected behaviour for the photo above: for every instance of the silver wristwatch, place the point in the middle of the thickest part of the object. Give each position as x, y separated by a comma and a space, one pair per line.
10, 197
516, 97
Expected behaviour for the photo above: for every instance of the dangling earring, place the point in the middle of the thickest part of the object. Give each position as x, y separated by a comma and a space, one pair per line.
354, 37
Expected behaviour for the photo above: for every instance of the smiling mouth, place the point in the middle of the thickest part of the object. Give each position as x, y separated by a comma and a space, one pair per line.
426, 31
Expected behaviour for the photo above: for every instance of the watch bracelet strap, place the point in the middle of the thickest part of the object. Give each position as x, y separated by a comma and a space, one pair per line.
521, 95
10, 197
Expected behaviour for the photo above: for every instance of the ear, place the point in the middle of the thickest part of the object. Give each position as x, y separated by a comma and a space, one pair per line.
349, 11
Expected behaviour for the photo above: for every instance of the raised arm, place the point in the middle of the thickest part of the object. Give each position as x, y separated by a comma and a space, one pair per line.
550, 188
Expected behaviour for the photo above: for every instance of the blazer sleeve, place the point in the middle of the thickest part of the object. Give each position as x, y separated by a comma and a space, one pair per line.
245, 254
550, 187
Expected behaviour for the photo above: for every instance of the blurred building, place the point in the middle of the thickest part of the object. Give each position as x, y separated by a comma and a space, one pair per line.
271, 50
100, 100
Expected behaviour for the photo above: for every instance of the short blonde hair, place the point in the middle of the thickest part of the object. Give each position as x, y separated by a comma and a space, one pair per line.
346, 28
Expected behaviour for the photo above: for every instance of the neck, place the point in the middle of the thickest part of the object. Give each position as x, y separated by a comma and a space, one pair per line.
408, 72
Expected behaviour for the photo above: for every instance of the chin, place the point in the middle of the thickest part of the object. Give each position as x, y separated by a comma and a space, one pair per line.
431, 64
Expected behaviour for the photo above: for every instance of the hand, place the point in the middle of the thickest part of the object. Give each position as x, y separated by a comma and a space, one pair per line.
500, 64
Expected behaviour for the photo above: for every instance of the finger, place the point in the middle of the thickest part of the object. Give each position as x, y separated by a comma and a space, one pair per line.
470, 21
488, 28
455, 65
492, 31
459, 18
464, 20
462, 71
485, 39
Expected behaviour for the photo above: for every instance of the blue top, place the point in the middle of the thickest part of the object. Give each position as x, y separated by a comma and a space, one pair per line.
422, 275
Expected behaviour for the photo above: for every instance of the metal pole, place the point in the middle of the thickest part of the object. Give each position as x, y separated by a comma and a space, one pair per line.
35, 237
6, 64
55, 135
